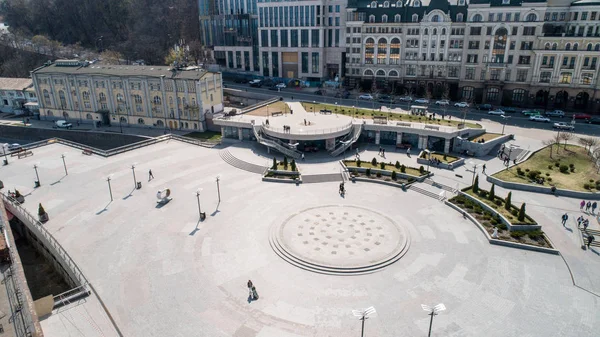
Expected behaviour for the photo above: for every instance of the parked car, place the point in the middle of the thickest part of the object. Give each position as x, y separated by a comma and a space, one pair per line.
484, 107
274, 88
539, 118
319, 92
63, 124
594, 120
422, 101
530, 112
255, 83
405, 99
509, 110
385, 99
461, 105
442, 102
280, 85
343, 95
14, 147
581, 116
563, 126
496, 112
555, 113
366, 97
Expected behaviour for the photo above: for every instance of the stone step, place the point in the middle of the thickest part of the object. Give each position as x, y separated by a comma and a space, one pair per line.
238, 163
321, 178
424, 192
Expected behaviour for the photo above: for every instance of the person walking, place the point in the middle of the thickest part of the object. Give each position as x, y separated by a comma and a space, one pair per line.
380, 150
586, 223
254, 293
579, 221
250, 286
590, 240
581, 204
588, 206
594, 205
565, 217
383, 152
483, 168
302, 156
150, 175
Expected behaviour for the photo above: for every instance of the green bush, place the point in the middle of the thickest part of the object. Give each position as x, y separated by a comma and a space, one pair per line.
492, 195
521, 216
41, 210
382, 165
507, 201
486, 217
374, 162
397, 164
403, 169
274, 167
527, 170
557, 164
521, 173
533, 174
591, 181
483, 193
571, 165
421, 169
378, 174
586, 186
572, 169
476, 184
535, 235
498, 202
547, 174
468, 206
514, 212
494, 222
394, 177
549, 179
285, 163
549, 167
293, 164
564, 168
368, 172
502, 226
517, 234
358, 162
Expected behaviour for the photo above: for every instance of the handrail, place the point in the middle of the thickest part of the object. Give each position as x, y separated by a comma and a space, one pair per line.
355, 135
271, 143
309, 132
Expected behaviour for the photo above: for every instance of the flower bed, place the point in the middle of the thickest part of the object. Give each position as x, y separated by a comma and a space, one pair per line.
386, 169
282, 176
446, 161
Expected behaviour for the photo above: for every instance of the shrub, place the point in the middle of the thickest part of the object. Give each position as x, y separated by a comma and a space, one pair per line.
547, 174
468, 206
533, 174
476, 184
483, 193
374, 162
274, 167
382, 165
421, 169
549, 167
394, 177
403, 169
514, 212
571, 165
526, 170
502, 226
285, 162
378, 174
445, 157
368, 172
293, 164
358, 163
549, 179
535, 235
572, 169
492, 195
557, 164
486, 217
521, 216
586, 186
564, 168
397, 164
41, 210
521, 173
507, 201
498, 202
517, 234
591, 181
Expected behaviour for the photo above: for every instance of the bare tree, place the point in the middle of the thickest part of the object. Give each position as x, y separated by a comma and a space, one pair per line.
111, 57
566, 136
588, 143
550, 143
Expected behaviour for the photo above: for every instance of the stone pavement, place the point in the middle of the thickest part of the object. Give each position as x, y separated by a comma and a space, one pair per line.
162, 273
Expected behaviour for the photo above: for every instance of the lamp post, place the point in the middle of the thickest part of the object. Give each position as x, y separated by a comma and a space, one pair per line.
313, 107
354, 108
5, 157
474, 171
109, 188
336, 107
198, 198
37, 182
428, 159
505, 120
218, 187
64, 164
134, 180
432, 312
363, 315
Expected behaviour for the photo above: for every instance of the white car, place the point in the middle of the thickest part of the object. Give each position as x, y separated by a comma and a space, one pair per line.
366, 96
496, 112
63, 124
539, 118
280, 85
557, 113
12, 147
405, 99
563, 126
461, 105
422, 101
442, 102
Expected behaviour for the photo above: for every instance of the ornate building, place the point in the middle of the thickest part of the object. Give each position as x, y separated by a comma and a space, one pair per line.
128, 95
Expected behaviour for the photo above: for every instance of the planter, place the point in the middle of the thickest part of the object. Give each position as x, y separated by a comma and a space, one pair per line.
447, 166
43, 217
20, 199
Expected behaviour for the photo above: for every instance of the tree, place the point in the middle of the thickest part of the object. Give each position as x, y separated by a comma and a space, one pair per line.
588, 143
566, 136
41, 210
521, 215
476, 184
374, 162
111, 57
293, 165
492, 195
274, 167
507, 201
285, 162
550, 143
397, 164
175, 55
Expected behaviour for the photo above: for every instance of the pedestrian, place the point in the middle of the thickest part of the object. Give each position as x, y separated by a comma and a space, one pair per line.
254, 293
383, 152
408, 152
579, 221
586, 223
588, 206
590, 240
515, 161
594, 205
581, 204
565, 217
483, 168
304, 122
302, 156
250, 285
150, 175
379, 151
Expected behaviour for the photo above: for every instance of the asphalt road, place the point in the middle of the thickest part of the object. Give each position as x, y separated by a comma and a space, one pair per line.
512, 119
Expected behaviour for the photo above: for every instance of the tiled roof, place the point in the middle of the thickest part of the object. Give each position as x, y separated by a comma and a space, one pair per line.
7, 83
125, 70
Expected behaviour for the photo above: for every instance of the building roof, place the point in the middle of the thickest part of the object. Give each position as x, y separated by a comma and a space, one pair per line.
407, 10
7, 83
586, 3
74, 67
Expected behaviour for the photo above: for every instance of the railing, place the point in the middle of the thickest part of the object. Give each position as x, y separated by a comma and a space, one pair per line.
70, 295
355, 135
275, 144
260, 104
308, 132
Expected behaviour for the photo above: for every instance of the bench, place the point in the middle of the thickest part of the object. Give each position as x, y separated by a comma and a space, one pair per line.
325, 112
276, 113
87, 152
24, 154
403, 146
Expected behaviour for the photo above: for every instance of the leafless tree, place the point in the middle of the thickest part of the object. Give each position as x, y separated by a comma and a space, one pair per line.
550, 143
566, 136
588, 143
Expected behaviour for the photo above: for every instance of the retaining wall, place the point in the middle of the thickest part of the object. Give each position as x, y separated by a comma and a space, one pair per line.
447, 166
544, 189
386, 173
479, 149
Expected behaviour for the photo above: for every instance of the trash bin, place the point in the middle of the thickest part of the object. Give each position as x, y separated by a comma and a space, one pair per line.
202, 216
37, 184
139, 185
4, 162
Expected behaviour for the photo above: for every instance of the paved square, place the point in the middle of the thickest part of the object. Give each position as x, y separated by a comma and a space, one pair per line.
163, 273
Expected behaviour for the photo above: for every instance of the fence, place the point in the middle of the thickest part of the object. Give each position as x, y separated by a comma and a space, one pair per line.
308, 132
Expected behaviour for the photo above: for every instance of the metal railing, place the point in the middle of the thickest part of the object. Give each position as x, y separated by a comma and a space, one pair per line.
355, 135
308, 132
20, 318
277, 145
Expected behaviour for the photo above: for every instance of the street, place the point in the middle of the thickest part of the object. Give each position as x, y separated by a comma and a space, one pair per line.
511, 119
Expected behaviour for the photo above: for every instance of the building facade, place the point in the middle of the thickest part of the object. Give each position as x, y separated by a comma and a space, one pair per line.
128, 95
16, 95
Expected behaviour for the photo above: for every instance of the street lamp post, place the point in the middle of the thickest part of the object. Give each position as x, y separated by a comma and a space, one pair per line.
64, 164
134, 180
5, 157
218, 188
428, 159
432, 312
314, 107
505, 120
474, 171
363, 315
37, 182
199, 209
109, 188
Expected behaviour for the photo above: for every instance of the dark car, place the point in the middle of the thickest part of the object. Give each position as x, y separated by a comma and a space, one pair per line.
319, 92
385, 99
274, 88
484, 107
343, 95
594, 120
582, 116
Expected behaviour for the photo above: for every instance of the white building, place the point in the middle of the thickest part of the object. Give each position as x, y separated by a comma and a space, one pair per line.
15, 94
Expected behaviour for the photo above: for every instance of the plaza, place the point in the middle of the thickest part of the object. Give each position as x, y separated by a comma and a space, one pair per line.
160, 271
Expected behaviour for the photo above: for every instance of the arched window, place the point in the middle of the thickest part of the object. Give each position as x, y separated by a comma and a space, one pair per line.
380, 73
386, 4
568, 46
444, 31
193, 101
426, 32
397, 18
547, 46
46, 97
435, 18
575, 46
374, 4
477, 18
384, 18
393, 73
459, 17
65, 115
597, 47
435, 31
398, 3
518, 95
371, 18
417, 3
492, 94
415, 18
102, 97
156, 100
119, 97
63, 99
49, 113
141, 121
531, 17
123, 119
554, 46
160, 123
88, 116
368, 72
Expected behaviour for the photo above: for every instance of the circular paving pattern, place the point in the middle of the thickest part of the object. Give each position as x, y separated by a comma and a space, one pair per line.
340, 240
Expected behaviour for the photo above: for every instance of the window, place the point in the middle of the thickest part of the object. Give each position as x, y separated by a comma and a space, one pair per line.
47, 97
568, 46
491, 17
507, 75
547, 17
315, 63
473, 44
415, 18
529, 31
435, 18
372, 18
593, 16
470, 73
575, 46
518, 95
597, 47
63, 99
489, 31
517, 17
475, 31
337, 8
483, 74
508, 17
459, 17
554, 16
467, 93
304, 38
398, 3
586, 78
384, 18
545, 77
314, 37
547, 46
524, 59
477, 18
397, 18
417, 3
505, 2
522, 75
584, 16
562, 16
492, 94
554, 46
374, 4
566, 78
386, 4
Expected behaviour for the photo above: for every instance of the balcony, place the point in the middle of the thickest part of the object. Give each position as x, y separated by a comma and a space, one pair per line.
592, 67
567, 66
547, 66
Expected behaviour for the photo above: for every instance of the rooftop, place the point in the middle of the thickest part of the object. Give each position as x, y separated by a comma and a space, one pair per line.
8, 83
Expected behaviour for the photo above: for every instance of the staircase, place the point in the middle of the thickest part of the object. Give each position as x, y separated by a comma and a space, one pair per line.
425, 192
242, 165
347, 143
275, 144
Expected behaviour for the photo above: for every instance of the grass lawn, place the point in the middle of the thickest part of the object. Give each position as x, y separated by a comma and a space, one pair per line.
369, 113
280, 167
210, 136
500, 208
440, 156
486, 137
388, 166
274, 107
540, 161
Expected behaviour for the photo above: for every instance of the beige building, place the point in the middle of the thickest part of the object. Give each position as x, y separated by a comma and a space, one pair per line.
155, 96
